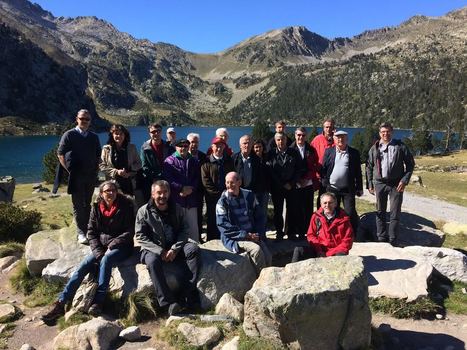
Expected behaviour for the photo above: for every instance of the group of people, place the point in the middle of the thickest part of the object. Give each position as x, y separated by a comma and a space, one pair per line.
156, 198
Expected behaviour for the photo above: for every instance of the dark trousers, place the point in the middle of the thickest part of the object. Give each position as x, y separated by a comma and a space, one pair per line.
320, 192
187, 261
299, 215
212, 230
383, 191
200, 214
348, 201
303, 253
81, 196
278, 196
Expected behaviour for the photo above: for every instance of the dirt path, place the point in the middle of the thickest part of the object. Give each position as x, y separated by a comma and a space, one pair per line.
434, 209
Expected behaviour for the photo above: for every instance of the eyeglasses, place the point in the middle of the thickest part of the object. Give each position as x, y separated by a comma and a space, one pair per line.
155, 131
85, 119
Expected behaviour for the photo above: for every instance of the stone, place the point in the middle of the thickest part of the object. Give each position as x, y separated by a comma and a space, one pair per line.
27, 347
229, 306
70, 313
36, 186
11, 267
174, 318
416, 180
199, 336
2, 328
7, 312
454, 228
232, 344
57, 252
7, 188
7, 261
393, 272
449, 262
414, 230
439, 316
312, 304
132, 333
223, 272
96, 334
41, 190
215, 318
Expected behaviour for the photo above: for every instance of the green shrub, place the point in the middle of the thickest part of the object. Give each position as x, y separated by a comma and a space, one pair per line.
7, 333
50, 162
399, 308
75, 319
17, 224
21, 280
11, 248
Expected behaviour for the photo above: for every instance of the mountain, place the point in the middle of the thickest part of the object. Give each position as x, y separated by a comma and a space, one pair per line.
52, 66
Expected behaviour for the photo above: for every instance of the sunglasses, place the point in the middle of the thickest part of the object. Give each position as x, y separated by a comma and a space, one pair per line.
300, 135
155, 131
85, 119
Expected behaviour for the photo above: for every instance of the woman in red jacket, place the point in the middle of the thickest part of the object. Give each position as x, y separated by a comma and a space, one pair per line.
330, 232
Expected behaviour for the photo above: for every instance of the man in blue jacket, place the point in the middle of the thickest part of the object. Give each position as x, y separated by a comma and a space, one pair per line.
237, 217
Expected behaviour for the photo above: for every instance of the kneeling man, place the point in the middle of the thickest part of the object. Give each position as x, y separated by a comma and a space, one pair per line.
162, 232
330, 232
238, 217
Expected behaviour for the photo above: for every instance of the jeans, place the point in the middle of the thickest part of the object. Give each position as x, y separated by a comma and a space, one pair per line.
89, 265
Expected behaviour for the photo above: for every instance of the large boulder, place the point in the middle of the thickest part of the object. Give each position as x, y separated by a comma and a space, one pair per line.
393, 272
96, 334
449, 262
313, 304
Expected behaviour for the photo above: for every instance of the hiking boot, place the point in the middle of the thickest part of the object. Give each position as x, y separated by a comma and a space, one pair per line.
82, 239
95, 310
57, 310
174, 309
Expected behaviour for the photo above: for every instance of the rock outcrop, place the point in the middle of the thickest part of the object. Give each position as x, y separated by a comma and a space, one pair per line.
313, 304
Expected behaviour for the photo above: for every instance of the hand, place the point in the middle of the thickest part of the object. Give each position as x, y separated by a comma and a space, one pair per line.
401, 187
168, 255
359, 193
372, 191
254, 237
122, 173
186, 191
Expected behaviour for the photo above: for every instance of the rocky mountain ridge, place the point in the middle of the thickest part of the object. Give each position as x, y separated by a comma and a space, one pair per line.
135, 81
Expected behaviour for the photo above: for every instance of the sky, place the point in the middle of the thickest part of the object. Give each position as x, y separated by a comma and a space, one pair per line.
207, 26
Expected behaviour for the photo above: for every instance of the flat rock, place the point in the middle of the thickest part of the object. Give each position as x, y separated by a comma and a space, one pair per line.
199, 336
449, 262
96, 334
232, 344
229, 306
7, 261
132, 333
27, 347
7, 312
313, 304
393, 272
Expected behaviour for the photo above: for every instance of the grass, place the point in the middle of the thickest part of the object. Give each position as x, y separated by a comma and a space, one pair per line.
421, 308
138, 307
38, 291
250, 343
56, 212
453, 159
75, 319
11, 248
7, 333
456, 302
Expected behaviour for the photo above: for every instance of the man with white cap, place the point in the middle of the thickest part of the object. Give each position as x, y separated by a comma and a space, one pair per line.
341, 174
171, 136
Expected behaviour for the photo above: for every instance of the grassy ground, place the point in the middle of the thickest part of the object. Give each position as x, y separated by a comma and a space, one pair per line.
456, 159
56, 212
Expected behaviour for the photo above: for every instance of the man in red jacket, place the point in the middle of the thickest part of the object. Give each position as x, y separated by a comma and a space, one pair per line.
330, 232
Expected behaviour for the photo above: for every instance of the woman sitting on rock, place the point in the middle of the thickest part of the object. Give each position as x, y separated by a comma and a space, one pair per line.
110, 234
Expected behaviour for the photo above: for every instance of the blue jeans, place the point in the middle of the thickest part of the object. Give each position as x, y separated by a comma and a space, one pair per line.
90, 264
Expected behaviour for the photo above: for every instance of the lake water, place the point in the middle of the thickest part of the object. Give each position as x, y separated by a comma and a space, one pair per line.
21, 156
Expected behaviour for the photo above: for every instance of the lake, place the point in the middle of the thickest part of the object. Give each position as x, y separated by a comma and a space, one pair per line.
21, 156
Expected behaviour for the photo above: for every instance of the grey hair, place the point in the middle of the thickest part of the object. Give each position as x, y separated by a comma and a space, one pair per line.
192, 135
218, 131
244, 137
234, 173
328, 194
160, 183
301, 129
278, 135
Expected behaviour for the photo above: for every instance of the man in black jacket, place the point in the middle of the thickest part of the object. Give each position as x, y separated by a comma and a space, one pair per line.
341, 174
286, 170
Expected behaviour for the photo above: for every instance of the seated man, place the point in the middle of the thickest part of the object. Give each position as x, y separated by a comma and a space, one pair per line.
110, 233
330, 231
238, 217
162, 232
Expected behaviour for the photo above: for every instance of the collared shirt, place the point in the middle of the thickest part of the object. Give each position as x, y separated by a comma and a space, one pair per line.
339, 176
247, 171
301, 149
82, 132
386, 152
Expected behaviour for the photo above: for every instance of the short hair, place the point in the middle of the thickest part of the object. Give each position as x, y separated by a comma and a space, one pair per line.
234, 173
160, 183
386, 125
301, 129
155, 126
112, 183
83, 111
121, 128
192, 135
279, 122
329, 120
279, 135
243, 137
218, 131
329, 194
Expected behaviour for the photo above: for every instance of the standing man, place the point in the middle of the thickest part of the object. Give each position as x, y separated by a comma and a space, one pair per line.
213, 177
285, 166
239, 220
171, 136
182, 171
153, 153
279, 126
322, 142
162, 233
303, 193
79, 154
341, 174
389, 168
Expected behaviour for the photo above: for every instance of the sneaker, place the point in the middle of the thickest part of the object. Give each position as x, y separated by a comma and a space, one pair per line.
82, 239
95, 310
174, 309
57, 310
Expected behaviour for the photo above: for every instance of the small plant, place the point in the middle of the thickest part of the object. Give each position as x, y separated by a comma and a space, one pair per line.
75, 319
139, 306
399, 308
254, 343
5, 334
11, 248
16, 224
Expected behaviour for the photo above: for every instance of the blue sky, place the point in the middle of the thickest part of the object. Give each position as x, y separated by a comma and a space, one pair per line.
204, 26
